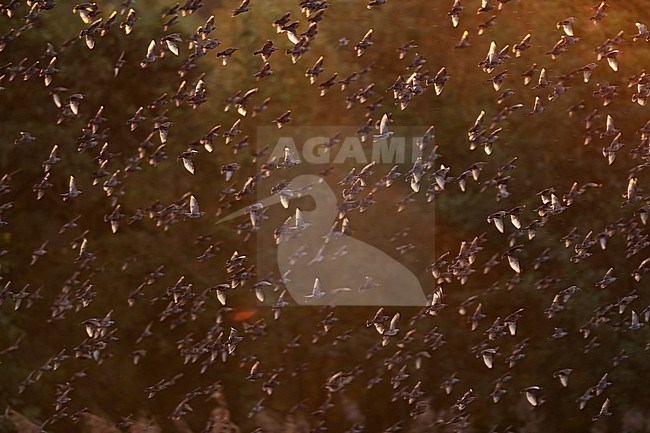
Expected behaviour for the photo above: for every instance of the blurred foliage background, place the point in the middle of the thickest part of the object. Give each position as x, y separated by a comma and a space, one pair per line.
548, 147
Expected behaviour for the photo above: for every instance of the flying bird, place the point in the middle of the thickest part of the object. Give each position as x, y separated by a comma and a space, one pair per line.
194, 211
384, 133
317, 292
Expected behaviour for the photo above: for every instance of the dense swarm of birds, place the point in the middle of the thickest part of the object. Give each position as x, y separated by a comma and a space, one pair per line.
522, 327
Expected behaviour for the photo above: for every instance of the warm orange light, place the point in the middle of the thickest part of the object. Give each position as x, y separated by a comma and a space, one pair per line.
242, 315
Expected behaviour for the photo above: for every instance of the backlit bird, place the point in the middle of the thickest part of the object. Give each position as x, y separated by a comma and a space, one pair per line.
242, 8
604, 411
284, 118
454, 13
73, 192
566, 25
384, 133
563, 376
644, 33
532, 394
464, 40
317, 292
194, 211
365, 42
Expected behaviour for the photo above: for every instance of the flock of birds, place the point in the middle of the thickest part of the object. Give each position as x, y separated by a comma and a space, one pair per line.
404, 344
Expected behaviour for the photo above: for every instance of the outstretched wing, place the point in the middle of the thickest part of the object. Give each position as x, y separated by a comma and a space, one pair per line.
151, 49
299, 219
194, 206
317, 287
383, 126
